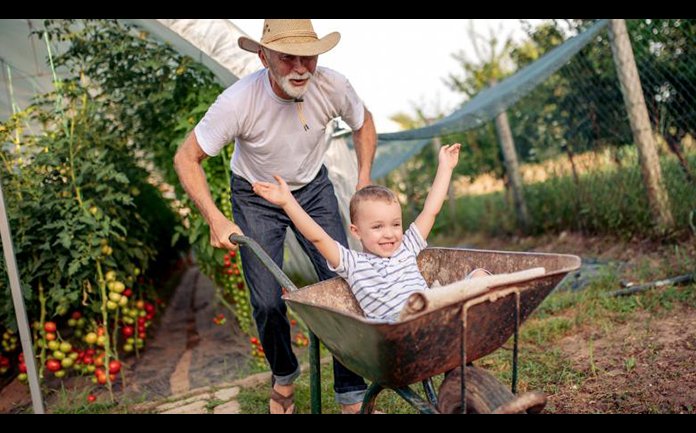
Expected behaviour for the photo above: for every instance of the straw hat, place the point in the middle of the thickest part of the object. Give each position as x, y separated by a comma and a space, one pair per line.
294, 37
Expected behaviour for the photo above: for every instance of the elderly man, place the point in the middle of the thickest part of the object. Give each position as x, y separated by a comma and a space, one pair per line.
277, 118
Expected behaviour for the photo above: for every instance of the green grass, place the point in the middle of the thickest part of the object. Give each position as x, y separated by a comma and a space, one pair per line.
74, 401
255, 400
541, 332
609, 200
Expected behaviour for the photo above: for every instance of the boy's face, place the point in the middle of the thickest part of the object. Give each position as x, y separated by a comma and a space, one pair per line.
378, 227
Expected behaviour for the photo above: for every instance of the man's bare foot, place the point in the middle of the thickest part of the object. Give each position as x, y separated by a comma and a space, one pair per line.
282, 399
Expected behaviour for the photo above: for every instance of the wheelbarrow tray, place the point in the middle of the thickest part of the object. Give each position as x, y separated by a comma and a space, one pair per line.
399, 354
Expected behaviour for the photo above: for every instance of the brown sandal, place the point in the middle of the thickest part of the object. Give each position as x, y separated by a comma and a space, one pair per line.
286, 402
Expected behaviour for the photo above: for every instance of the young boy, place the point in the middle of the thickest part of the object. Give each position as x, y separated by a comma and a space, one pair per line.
384, 275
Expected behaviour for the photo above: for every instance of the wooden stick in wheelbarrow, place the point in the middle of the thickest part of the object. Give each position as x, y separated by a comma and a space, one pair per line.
265, 259
462, 290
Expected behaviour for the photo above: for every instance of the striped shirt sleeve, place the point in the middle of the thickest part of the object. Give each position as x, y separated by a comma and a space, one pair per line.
346, 262
413, 241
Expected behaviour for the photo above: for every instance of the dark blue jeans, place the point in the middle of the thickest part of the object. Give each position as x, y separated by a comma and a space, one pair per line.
266, 224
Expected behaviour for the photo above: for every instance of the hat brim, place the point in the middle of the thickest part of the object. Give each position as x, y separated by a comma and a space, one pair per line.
293, 46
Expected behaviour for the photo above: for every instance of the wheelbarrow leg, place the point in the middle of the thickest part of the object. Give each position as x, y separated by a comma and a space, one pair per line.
414, 400
368, 405
314, 373
430, 391
515, 344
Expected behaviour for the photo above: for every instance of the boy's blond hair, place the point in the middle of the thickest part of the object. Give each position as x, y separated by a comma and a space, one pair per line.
370, 192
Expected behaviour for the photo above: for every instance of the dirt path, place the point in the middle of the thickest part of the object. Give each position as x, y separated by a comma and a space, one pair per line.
187, 351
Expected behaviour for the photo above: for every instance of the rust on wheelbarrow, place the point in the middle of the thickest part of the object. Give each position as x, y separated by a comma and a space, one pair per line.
399, 354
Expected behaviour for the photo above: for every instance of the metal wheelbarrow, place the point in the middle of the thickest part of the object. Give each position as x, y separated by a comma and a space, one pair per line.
446, 340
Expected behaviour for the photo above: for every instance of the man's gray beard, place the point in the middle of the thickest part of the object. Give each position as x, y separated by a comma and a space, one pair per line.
288, 88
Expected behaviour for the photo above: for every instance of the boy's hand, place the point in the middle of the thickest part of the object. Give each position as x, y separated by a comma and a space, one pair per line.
449, 155
277, 194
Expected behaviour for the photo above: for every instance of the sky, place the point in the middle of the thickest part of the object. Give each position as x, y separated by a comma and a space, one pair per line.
396, 64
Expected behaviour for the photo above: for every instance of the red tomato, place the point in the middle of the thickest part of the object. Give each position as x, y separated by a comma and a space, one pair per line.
53, 364
91, 398
127, 331
50, 327
114, 366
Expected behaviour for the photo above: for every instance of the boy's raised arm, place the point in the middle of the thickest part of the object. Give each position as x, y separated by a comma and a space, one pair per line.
280, 195
447, 160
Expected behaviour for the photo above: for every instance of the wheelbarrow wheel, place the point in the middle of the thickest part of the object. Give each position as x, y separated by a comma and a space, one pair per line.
484, 394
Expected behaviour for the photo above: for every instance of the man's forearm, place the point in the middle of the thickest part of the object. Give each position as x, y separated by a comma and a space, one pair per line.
365, 140
192, 178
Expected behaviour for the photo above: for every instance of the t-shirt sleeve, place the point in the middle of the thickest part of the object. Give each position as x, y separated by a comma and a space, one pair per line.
346, 262
413, 241
219, 125
352, 108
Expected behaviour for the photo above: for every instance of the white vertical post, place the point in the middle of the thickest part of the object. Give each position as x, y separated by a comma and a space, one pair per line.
20, 311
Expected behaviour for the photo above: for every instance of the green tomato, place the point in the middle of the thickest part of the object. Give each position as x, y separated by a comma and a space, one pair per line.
91, 338
61, 310
119, 287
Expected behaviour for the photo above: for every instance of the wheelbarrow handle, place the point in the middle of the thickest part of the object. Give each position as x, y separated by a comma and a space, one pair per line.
265, 259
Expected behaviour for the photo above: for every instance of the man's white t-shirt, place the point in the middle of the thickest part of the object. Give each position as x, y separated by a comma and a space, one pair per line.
268, 131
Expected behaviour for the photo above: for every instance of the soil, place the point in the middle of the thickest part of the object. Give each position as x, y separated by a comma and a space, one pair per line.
645, 365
